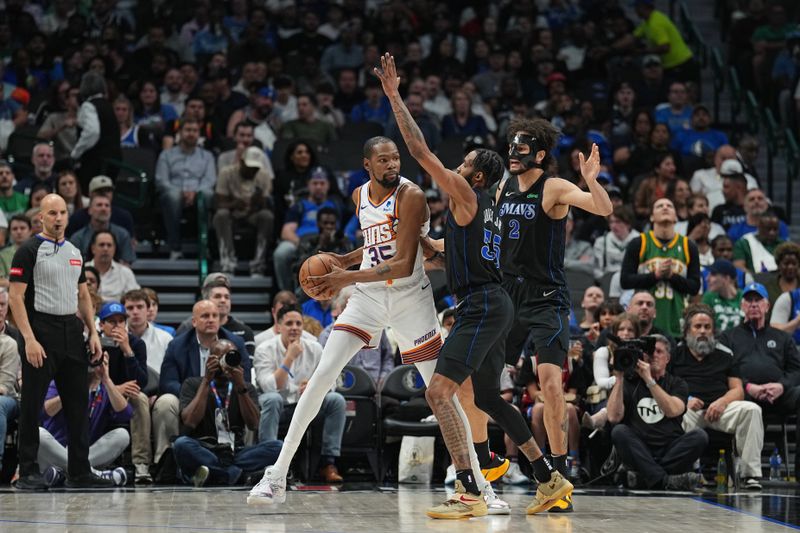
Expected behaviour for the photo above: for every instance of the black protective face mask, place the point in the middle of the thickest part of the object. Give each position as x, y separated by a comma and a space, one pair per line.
528, 161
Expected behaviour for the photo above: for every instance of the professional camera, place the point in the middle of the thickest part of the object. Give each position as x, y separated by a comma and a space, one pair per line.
229, 360
628, 353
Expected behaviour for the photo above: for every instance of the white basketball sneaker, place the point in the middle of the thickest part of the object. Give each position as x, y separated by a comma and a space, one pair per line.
270, 490
494, 504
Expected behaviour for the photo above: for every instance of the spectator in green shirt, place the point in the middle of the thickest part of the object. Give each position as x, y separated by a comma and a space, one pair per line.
11, 201
723, 295
308, 125
663, 38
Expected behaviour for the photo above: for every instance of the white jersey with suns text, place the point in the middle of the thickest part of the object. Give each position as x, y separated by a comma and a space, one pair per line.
378, 223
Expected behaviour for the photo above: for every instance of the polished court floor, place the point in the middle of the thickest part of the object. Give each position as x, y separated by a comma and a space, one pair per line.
367, 509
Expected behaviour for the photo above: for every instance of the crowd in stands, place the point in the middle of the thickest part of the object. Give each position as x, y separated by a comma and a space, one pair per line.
261, 107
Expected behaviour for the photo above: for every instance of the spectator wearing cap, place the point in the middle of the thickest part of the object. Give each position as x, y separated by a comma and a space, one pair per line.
488, 82
786, 309
98, 139
11, 202
243, 197
301, 220
259, 114
115, 278
101, 186
767, 357
724, 296
375, 108
186, 357
663, 37
308, 125
217, 288
711, 181
182, 172
127, 368
700, 136
652, 87
722, 248
715, 392
755, 204
43, 159
100, 219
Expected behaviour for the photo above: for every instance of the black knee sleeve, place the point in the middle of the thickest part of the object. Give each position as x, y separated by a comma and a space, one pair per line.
504, 414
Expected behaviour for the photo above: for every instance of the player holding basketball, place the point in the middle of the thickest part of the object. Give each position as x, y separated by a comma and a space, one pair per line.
484, 313
532, 207
391, 290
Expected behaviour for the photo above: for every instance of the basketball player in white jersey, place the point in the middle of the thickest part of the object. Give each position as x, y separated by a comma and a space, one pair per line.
391, 290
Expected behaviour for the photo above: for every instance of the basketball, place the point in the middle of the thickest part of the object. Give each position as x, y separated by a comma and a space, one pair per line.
316, 265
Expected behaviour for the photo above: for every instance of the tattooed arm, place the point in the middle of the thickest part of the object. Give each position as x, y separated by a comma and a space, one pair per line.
463, 202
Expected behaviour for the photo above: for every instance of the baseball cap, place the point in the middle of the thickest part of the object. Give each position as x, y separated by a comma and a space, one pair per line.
100, 182
110, 309
318, 173
555, 76
605, 176
650, 60
253, 157
218, 279
267, 92
724, 267
757, 288
731, 167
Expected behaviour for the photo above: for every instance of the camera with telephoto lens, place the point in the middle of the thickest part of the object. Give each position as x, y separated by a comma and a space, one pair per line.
229, 360
628, 353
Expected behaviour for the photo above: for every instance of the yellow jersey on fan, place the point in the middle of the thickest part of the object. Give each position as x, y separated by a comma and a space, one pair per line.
669, 303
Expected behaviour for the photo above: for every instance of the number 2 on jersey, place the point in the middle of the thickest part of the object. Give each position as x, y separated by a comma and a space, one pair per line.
491, 248
513, 229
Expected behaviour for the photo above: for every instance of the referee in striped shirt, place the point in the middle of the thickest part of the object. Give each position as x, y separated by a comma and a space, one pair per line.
48, 286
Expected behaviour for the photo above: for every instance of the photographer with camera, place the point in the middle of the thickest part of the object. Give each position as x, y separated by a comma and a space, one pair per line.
716, 393
215, 409
647, 405
185, 358
283, 366
107, 407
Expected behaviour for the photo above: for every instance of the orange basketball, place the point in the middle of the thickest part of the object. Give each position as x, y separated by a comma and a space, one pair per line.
316, 265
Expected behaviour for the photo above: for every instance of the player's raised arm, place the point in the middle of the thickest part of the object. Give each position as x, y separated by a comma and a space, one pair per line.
596, 200
454, 185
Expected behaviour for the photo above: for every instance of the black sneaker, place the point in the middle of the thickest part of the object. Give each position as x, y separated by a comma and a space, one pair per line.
687, 481
88, 481
31, 482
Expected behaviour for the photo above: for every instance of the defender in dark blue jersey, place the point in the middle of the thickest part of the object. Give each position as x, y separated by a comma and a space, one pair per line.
483, 315
532, 208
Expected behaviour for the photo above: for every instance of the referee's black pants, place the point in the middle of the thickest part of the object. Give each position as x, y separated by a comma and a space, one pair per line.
61, 338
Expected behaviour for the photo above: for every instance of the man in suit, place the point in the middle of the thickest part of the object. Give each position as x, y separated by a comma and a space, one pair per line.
185, 358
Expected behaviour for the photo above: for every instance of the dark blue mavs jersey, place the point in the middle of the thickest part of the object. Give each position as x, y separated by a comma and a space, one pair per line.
473, 251
532, 243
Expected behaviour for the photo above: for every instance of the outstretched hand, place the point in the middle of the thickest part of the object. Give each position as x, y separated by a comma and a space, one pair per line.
590, 168
388, 74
